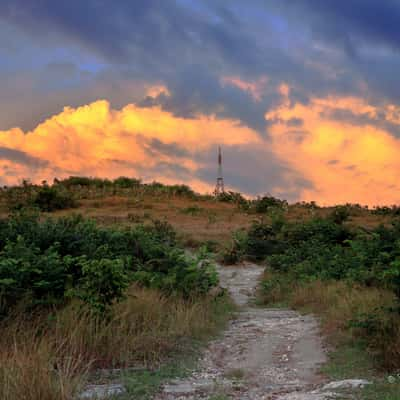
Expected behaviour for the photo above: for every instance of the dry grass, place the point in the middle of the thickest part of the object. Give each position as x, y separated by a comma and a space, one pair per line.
339, 302
215, 221
49, 358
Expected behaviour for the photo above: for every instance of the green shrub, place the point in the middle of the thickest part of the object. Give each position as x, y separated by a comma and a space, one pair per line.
262, 241
53, 198
386, 210
236, 250
103, 281
266, 203
233, 197
127, 183
84, 182
45, 198
178, 274
47, 262
340, 214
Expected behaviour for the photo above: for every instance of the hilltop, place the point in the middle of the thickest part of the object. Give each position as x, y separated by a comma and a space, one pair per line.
99, 276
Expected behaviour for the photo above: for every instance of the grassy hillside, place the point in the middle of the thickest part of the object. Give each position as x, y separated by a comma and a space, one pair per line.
197, 218
78, 293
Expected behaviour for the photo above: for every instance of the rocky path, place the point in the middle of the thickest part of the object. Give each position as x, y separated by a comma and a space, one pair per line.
264, 354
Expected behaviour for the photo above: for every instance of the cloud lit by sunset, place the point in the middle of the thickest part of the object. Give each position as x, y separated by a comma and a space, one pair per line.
96, 140
347, 160
302, 99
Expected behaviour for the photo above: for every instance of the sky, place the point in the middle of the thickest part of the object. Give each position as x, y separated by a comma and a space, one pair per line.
303, 96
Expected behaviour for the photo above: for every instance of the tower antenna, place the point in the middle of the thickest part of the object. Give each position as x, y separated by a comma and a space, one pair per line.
219, 187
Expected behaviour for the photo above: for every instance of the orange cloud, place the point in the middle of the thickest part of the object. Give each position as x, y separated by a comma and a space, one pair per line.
96, 140
255, 88
345, 161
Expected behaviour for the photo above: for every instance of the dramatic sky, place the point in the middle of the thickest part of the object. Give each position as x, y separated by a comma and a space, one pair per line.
302, 95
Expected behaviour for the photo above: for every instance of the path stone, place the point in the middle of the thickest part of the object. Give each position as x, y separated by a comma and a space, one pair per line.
346, 384
97, 392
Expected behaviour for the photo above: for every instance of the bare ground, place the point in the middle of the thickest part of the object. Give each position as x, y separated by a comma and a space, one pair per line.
264, 354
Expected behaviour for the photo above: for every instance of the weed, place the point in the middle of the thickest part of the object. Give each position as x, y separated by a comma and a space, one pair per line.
49, 356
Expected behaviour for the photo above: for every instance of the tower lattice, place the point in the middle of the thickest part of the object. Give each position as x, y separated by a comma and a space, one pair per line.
219, 187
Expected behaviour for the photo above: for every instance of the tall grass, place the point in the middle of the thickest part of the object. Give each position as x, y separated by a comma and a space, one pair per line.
50, 357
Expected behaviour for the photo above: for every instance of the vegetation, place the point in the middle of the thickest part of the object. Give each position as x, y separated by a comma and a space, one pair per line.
76, 296
351, 276
115, 288
51, 355
44, 197
49, 262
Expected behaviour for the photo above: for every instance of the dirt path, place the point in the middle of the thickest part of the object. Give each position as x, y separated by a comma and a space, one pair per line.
264, 353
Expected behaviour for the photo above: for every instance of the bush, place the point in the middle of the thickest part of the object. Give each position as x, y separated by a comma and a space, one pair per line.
233, 197
340, 214
178, 274
266, 203
385, 210
323, 249
84, 182
53, 198
47, 262
127, 183
275, 238
45, 198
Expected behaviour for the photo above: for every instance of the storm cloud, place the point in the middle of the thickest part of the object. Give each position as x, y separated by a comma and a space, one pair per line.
330, 65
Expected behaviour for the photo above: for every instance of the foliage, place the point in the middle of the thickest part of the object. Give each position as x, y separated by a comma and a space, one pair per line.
53, 198
236, 250
340, 214
386, 210
102, 282
45, 198
268, 239
266, 203
178, 274
84, 181
325, 249
232, 197
47, 262
125, 182
63, 193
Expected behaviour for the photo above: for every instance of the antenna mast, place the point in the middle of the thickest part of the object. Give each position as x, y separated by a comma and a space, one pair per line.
219, 188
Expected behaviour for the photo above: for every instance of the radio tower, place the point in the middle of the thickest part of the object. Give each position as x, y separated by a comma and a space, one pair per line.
219, 188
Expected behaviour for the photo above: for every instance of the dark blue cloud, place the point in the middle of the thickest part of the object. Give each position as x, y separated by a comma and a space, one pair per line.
20, 157
148, 30
350, 23
184, 44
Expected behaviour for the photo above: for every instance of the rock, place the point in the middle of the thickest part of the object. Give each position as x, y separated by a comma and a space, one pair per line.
346, 384
217, 291
179, 388
97, 392
307, 396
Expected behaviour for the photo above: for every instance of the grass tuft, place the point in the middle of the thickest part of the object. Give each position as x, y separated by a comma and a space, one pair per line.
51, 357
